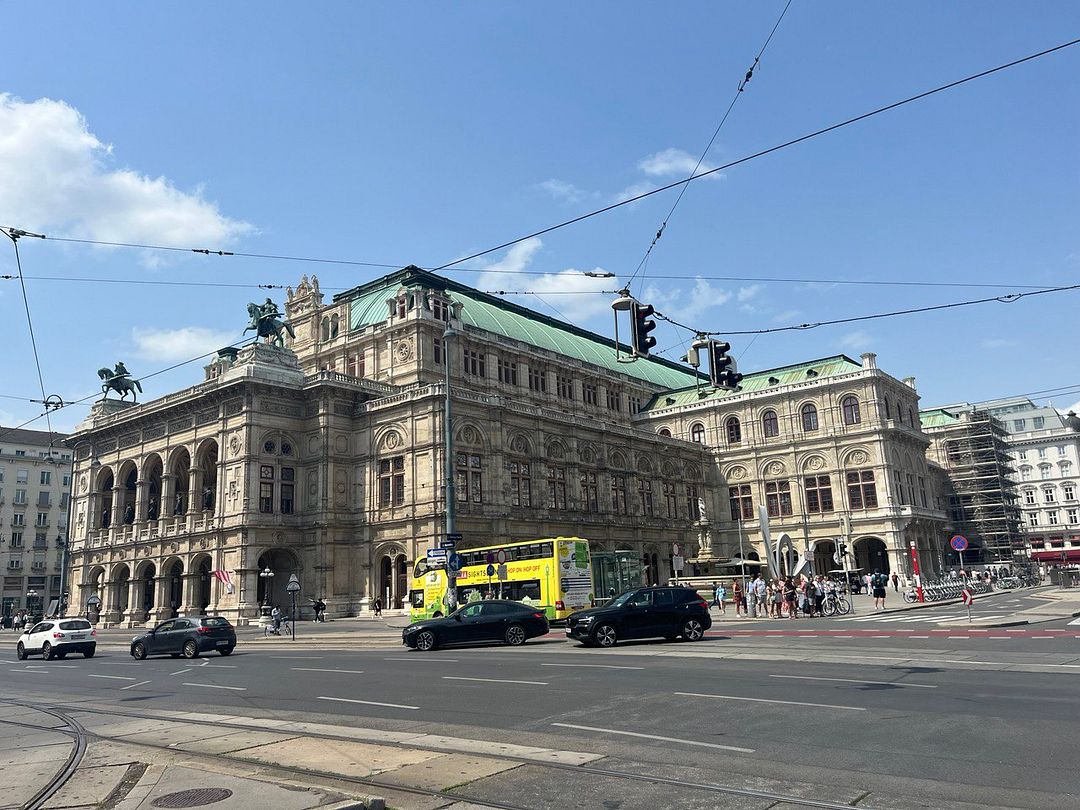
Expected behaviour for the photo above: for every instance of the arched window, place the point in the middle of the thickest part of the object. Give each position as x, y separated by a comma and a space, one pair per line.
697, 433
734, 430
334, 326
888, 410
325, 328
809, 417
664, 432
770, 426
850, 407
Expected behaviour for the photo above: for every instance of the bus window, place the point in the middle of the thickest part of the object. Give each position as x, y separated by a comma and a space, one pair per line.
416, 599
519, 591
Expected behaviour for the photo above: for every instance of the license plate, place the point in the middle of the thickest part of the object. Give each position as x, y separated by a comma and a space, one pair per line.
78, 638
223, 643
568, 631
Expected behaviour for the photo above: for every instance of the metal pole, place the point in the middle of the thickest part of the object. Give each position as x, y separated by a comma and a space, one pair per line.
63, 576
845, 533
292, 624
451, 494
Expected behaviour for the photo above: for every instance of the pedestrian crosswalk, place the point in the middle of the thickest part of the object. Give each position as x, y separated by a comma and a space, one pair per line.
908, 618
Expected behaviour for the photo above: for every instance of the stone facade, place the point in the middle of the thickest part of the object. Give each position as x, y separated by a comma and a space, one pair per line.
327, 458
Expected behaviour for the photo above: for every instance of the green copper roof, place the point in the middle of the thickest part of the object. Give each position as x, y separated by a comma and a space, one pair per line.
937, 417
758, 381
492, 314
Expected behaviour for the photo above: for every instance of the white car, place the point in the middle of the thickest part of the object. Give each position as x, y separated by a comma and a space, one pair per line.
55, 638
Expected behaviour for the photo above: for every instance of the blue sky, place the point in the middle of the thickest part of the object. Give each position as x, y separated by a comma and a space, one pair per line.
418, 133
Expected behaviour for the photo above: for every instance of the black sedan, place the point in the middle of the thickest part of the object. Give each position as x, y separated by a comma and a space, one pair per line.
665, 612
497, 620
187, 637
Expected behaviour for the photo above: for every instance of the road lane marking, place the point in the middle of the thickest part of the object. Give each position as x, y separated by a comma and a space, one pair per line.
215, 686
854, 680
918, 636
656, 737
297, 657
423, 660
766, 700
31, 671
113, 677
343, 671
368, 702
1074, 622
178, 672
132, 686
593, 666
493, 680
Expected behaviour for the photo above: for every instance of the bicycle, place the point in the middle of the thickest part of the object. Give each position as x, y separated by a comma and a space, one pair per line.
284, 628
835, 603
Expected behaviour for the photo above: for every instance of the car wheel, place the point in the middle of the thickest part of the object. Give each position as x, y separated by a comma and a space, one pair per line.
88, 653
605, 636
426, 641
138, 652
225, 650
437, 614
191, 649
515, 635
20, 652
46, 651
692, 630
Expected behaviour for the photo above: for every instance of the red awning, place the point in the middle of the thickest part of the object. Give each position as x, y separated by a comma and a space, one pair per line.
1055, 556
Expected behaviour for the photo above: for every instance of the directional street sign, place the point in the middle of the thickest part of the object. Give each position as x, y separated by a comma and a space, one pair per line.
453, 537
491, 570
967, 597
453, 562
449, 545
294, 584
437, 554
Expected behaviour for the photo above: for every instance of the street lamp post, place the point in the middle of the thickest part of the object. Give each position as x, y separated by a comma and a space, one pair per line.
31, 597
62, 607
451, 495
267, 576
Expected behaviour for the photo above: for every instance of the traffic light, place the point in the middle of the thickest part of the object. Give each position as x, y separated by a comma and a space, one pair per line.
723, 373
842, 550
640, 326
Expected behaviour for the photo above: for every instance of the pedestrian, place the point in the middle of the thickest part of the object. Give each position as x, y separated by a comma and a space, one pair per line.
877, 583
719, 592
759, 596
737, 597
275, 617
777, 598
378, 608
895, 582
789, 596
819, 594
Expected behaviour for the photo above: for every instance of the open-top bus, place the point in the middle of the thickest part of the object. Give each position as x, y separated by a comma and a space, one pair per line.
554, 575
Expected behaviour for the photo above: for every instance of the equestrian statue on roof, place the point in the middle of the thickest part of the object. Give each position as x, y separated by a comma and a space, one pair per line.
119, 380
267, 322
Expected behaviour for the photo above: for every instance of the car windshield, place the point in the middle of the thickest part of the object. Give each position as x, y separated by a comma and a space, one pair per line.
622, 598
216, 621
75, 625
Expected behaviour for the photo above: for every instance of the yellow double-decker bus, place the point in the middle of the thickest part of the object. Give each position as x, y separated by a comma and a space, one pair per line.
553, 575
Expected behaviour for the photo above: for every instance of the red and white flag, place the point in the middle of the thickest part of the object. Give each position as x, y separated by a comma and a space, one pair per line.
225, 578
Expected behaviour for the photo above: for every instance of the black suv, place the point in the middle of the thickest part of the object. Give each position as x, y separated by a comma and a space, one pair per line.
669, 612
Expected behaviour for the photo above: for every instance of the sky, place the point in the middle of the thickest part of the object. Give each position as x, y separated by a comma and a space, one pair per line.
421, 133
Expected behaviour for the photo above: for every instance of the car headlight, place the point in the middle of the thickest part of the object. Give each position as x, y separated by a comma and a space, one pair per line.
585, 619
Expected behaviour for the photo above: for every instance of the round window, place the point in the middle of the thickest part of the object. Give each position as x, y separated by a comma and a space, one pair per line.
286, 449
269, 447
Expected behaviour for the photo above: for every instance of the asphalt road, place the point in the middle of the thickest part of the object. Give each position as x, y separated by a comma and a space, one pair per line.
925, 717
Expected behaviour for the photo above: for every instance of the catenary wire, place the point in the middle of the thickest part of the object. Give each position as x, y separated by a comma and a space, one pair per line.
643, 264
761, 153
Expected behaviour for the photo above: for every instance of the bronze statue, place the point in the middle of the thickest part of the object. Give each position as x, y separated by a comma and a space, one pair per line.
266, 321
152, 509
118, 380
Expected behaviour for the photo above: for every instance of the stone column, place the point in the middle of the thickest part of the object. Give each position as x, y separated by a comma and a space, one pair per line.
194, 504
246, 597
142, 491
168, 496
190, 590
116, 511
111, 613
161, 609
135, 602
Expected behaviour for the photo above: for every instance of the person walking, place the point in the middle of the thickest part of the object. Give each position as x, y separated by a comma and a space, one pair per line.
895, 582
878, 582
819, 594
275, 617
719, 592
737, 597
377, 608
759, 597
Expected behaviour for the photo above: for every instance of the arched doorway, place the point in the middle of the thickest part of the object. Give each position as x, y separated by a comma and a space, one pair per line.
119, 592
174, 587
823, 557
147, 576
393, 578
95, 595
180, 469
202, 567
871, 554
282, 563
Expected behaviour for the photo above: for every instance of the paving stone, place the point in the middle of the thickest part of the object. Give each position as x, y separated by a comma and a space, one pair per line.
336, 756
446, 771
88, 786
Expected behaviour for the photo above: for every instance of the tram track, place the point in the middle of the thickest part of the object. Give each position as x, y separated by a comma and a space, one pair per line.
72, 729
374, 782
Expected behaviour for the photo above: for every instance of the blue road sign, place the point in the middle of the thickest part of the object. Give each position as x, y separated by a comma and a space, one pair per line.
447, 544
491, 570
437, 553
453, 562
959, 543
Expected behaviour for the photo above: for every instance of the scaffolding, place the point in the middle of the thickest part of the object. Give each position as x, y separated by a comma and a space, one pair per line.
970, 446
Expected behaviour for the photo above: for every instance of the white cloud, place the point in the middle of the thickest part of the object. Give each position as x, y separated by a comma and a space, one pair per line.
582, 302
1075, 408
561, 190
687, 306
633, 191
999, 343
171, 345
673, 163
746, 293
859, 339
786, 315
55, 174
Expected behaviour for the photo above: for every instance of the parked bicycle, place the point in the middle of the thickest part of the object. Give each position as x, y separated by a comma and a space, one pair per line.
835, 603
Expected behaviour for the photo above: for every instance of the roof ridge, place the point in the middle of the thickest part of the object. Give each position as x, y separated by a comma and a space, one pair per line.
782, 369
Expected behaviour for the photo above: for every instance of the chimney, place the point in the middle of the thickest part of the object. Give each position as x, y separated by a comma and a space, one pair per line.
869, 360
909, 382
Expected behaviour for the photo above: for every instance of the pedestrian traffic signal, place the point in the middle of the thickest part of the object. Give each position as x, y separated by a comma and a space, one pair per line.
640, 326
723, 372
843, 550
